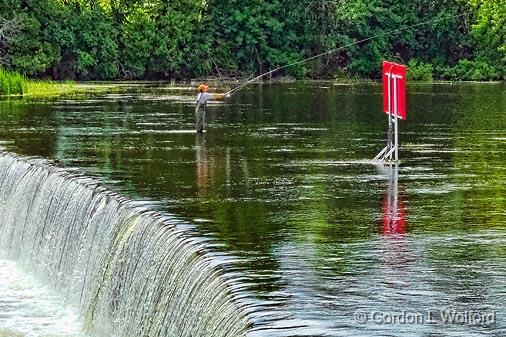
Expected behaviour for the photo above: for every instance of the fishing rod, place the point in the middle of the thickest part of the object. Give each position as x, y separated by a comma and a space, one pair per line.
230, 92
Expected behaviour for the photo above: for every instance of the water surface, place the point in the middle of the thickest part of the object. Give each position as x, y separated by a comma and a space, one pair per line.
282, 178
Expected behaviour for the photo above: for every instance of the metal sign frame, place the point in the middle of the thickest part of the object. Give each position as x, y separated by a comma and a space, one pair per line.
394, 105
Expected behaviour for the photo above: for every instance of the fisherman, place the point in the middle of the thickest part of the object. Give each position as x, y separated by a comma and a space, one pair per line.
200, 110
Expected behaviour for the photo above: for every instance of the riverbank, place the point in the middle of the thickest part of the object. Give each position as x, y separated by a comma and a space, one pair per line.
14, 84
19, 86
50, 88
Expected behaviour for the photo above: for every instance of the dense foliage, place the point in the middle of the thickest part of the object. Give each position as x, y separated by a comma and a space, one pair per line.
156, 39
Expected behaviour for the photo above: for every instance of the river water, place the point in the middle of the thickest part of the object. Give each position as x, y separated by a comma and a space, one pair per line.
282, 179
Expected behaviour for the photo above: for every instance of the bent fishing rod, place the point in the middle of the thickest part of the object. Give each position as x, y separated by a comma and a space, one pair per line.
239, 87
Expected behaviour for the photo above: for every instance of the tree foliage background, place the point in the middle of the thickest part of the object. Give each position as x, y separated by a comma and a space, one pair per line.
165, 39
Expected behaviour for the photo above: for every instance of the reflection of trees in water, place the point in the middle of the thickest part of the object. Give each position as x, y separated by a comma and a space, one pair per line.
479, 138
30, 126
227, 197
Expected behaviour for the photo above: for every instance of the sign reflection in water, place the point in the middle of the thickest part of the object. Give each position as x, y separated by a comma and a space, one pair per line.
394, 213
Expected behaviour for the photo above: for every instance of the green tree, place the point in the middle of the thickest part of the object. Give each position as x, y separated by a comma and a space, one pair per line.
23, 49
251, 36
95, 50
106, 39
490, 33
138, 35
176, 23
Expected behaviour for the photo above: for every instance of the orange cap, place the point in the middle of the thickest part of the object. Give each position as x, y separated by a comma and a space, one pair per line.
202, 87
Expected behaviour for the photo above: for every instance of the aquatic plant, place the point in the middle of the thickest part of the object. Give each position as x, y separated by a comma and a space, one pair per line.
11, 82
48, 88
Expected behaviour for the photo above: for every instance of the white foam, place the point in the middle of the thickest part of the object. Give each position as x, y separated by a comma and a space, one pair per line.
27, 308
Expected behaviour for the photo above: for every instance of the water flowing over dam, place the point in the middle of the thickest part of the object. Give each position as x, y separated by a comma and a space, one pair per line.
131, 270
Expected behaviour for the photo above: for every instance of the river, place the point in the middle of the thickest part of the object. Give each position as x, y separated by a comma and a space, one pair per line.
326, 242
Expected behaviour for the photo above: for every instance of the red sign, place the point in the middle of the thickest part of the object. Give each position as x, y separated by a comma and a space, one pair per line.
394, 89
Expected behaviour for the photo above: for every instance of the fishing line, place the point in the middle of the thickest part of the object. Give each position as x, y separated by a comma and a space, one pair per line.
230, 92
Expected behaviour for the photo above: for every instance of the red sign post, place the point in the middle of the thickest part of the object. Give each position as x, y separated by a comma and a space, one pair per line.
394, 104
394, 89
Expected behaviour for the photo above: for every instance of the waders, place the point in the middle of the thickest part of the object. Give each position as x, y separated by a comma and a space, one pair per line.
200, 116
200, 113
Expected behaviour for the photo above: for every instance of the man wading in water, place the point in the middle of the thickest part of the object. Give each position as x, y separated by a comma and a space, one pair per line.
200, 109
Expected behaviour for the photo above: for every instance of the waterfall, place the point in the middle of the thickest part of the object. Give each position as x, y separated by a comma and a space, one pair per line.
131, 270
